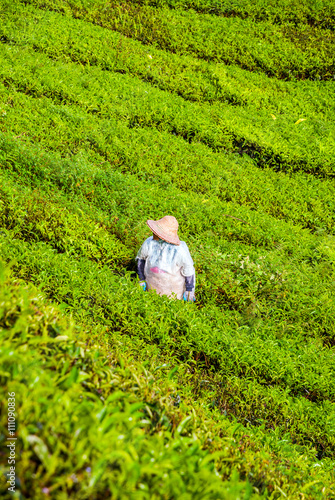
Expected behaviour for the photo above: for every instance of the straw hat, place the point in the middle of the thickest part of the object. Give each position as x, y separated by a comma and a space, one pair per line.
166, 229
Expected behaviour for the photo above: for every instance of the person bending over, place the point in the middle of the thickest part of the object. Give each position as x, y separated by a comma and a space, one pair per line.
164, 262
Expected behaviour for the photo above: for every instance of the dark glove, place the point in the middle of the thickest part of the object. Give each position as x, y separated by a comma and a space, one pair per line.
189, 285
140, 269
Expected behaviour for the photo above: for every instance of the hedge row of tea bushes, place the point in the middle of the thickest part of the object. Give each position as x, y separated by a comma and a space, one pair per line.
82, 42
93, 291
164, 159
115, 399
97, 423
34, 217
279, 144
321, 13
278, 51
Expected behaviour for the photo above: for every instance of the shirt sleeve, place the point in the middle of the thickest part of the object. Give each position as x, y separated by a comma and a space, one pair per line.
143, 251
187, 267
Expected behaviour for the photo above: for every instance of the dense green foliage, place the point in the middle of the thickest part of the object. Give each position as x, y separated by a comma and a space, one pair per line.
280, 137
100, 415
282, 51
132, 395
320, 13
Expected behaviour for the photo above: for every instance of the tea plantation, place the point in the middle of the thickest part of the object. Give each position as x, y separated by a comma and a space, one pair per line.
221, 113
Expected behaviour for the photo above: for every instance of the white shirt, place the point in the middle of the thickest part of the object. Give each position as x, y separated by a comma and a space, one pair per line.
166, 266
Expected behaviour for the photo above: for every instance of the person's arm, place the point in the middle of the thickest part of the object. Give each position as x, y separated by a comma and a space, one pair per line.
189, 272
140, 272
141, 258
140, 269
189, 295
189, 282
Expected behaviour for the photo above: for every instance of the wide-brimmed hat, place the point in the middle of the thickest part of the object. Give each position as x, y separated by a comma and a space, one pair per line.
165, 228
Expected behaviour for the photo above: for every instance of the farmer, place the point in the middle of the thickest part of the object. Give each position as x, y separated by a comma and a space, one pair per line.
164, 262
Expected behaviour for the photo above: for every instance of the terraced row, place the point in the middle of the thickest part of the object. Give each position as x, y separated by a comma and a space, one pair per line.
140, 105
282, 52
321, 13
79, 41
163, 158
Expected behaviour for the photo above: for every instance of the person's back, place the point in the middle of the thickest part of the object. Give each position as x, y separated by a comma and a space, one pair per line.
164, 262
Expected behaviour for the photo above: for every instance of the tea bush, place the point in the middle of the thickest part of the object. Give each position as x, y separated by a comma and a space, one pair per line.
102, 394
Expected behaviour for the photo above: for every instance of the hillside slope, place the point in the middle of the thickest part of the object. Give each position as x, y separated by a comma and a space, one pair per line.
111, 114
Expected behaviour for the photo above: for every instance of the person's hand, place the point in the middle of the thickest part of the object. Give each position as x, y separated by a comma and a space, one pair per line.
143, 285
189, 296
